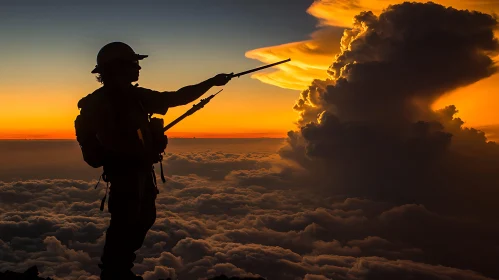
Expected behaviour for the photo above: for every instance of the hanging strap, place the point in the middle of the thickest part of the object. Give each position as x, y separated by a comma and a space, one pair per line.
104, 198
162, 173
100, 177
154, 180
103, 176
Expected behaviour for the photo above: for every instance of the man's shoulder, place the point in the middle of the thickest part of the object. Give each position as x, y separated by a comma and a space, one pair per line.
144, 92
154, 101
92, 100
147, 95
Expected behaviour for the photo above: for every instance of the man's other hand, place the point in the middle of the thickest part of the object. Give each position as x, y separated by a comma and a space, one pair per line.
221, 79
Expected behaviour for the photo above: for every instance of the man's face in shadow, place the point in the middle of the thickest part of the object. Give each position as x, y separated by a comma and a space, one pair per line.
122, 72
131, 71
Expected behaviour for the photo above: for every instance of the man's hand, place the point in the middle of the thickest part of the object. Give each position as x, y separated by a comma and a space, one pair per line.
221, 79
190, 93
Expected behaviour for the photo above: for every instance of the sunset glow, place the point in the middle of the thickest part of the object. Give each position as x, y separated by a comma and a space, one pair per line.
43, 85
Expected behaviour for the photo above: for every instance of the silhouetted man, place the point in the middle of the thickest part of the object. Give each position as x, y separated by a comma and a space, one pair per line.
117, 115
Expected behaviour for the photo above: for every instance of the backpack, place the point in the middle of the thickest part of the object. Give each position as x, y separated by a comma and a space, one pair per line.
86, 134
92, 149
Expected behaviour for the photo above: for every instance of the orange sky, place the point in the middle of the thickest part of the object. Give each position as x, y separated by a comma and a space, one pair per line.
226, 116
41, 103
245, 109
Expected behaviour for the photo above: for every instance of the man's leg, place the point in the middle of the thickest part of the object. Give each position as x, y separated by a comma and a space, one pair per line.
133, 212
147, 211
124, 205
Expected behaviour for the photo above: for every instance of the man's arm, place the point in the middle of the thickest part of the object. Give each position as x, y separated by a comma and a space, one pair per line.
190, 93
158, 102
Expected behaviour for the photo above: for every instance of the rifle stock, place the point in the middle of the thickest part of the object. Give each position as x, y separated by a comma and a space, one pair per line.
191, 111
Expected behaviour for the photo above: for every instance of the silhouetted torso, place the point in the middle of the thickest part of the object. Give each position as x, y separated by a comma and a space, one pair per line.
121, 117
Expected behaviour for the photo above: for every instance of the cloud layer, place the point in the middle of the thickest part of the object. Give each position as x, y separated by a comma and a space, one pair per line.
207, 227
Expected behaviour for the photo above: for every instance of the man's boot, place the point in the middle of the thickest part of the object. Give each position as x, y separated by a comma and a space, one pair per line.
117, 274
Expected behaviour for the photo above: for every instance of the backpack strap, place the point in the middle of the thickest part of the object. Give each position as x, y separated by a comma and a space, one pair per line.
104, 177
154, 180
162, 173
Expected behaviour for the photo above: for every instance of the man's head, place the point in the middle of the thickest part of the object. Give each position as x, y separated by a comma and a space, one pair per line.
117, 63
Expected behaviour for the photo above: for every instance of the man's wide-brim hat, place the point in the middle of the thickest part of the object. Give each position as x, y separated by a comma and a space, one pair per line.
114, 52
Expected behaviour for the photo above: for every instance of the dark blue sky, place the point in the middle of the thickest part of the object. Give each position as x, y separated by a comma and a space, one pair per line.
218, 32
249, 23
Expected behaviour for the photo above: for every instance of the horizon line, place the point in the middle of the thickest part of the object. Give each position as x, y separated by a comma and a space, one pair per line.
183, 135
73, 139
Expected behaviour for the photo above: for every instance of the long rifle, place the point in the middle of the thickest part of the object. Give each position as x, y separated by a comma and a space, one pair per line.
205, 101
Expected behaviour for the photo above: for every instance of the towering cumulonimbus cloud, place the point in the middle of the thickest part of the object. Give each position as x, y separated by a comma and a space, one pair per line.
369, 129
411, 51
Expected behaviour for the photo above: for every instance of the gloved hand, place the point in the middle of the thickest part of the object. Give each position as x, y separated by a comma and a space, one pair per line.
221, 79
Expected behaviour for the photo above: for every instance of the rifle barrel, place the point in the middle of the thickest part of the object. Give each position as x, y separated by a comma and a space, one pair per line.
260, 68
